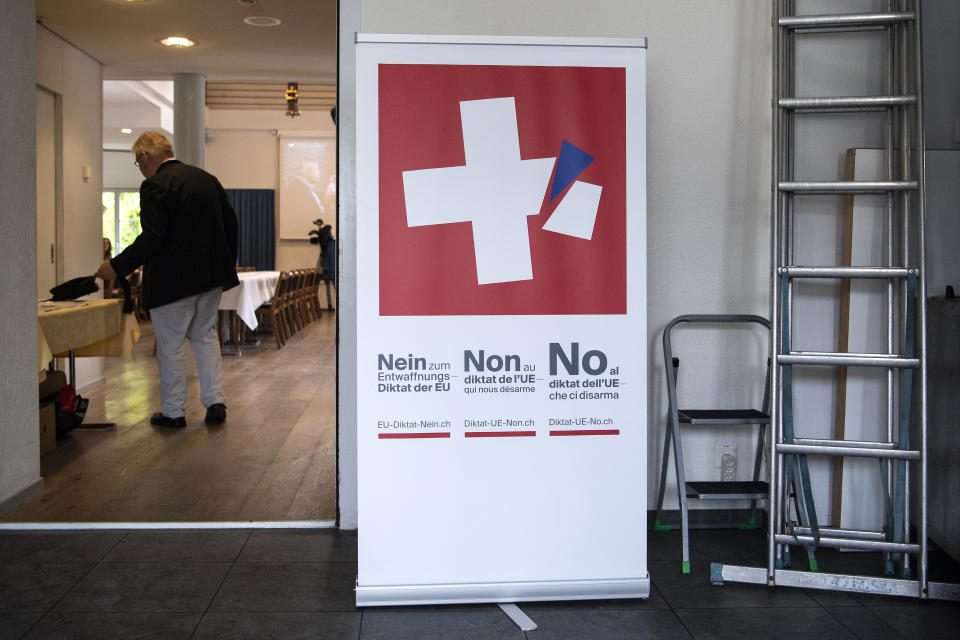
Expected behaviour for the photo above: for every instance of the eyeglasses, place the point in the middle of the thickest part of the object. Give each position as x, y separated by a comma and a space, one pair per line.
136, 158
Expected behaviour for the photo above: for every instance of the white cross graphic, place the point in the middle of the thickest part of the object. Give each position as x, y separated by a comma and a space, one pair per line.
495, 191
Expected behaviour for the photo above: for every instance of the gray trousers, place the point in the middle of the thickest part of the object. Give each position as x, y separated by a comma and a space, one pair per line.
193, 318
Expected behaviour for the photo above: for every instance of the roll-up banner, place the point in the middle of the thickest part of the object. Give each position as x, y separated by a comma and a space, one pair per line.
501, 321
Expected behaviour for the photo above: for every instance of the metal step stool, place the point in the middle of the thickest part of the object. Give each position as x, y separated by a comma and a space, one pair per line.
752, 490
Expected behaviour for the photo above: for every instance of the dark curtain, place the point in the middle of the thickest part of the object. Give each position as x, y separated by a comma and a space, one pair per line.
256, 212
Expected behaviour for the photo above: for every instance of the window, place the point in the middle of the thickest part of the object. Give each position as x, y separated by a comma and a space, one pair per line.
121, 218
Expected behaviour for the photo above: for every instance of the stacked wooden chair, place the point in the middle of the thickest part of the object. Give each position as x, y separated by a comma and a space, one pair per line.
295, 304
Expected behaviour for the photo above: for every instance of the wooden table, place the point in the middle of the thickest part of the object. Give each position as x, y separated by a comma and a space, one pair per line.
83, 328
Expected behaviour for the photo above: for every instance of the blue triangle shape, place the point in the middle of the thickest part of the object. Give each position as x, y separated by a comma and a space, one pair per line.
570, 164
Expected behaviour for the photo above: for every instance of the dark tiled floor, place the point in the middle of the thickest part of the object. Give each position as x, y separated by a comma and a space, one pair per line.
291, 584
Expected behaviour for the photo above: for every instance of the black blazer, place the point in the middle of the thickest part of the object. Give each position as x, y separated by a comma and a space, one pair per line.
188, 244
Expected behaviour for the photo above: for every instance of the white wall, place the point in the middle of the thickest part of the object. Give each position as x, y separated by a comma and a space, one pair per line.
941, 120
709, 123
943, 221
830, 65
708, 153
19, 458
941, 82
77, 79
847, 65
242, 151
119, 172
36, 57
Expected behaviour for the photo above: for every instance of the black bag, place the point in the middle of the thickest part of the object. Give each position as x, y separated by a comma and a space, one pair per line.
73, 289
127, 295
71, 410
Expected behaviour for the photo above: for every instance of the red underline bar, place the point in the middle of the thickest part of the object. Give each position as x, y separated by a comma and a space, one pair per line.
498, 434
393, 436
587, 432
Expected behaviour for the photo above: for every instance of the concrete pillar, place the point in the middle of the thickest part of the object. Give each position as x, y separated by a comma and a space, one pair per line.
189, 117
19, 458
349, 23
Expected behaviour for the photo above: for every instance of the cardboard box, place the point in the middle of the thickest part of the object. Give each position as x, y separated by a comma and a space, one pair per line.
48, 427
52, 383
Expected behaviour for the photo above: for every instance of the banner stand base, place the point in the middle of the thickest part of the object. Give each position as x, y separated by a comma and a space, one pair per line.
502, 592
519, 618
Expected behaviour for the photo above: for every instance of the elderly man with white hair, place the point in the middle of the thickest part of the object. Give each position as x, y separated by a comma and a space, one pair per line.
188, 250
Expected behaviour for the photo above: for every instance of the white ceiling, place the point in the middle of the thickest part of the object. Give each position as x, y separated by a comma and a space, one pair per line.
136, 105
124, 35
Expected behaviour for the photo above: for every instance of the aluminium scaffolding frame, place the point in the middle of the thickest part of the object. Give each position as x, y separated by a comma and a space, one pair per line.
905, 310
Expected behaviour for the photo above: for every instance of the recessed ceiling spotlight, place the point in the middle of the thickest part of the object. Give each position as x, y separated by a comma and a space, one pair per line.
177, 41
262, 21
126, 130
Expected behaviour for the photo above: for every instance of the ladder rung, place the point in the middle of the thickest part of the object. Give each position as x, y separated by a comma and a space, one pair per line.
848, 272
854, 444
847, 452
843, 543
848, 534
845, 20
865, 103
722, 416
849, 359
859, 186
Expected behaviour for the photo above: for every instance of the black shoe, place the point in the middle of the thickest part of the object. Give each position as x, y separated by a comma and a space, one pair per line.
163, 421
216, 414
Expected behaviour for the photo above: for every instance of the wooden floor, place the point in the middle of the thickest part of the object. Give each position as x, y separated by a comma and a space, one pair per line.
273, 460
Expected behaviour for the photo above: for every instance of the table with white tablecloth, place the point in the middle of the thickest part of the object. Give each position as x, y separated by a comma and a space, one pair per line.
256, 287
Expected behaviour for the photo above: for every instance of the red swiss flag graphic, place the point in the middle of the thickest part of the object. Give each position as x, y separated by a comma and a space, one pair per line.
433, 269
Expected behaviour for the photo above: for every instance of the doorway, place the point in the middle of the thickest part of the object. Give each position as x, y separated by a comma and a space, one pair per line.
150, 470
272, 464
47, 190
